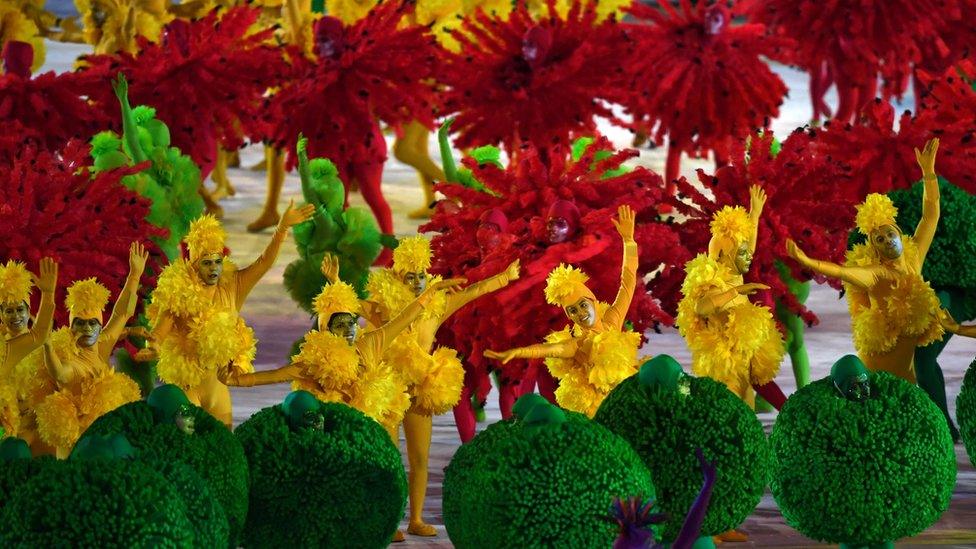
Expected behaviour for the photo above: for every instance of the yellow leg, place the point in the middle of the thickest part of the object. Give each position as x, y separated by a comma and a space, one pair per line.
263, 164
219, 175
214, 397
211, 205
394, 432
411, 149
276, 180
417, 429
234, 159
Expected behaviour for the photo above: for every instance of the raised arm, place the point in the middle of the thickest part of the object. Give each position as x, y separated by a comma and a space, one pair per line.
757, 201
459, 299
284, 374
25, 344
616, 313
560, 349
130, 131
383, 336
447, 156
304, 171
248, 277
861, 277
927, 225
125, 305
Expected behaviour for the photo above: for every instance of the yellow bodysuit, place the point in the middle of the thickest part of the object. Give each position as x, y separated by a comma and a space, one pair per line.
112, 25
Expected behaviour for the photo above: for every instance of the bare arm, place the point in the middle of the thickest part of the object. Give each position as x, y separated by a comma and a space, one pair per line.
25, 344
284, 374
130, 131
447, 158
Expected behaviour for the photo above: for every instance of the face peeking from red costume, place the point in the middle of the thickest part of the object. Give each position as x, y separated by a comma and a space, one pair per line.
18, 58
535, 45
328, 37
493, 225
178, 33
562, 221
716, 19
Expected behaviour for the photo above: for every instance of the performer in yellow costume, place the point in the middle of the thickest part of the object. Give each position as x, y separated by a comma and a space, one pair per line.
77, 359
17, 26
893, 310
18, 338
731, 339
112, 25
433, 377
596, 353
197, 330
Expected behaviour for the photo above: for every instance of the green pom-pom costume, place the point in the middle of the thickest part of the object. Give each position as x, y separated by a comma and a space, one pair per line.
211, 450
861, 467
351, 234
547, 478
665, 415
329, 481
966, 412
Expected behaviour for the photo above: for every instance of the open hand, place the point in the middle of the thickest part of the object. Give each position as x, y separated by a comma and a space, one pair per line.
302, 146
757, 201
293, 216
794, 251
514, 270
330, 268
751, 288
146, 355
948, 323
625, 223
137, 258
926, 158
48, 279
504, 356
137, 331
121, 87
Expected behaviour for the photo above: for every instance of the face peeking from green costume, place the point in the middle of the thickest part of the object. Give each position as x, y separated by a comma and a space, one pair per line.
304, 412
170, 405
13, 449
15, 315
851, 379
663, 372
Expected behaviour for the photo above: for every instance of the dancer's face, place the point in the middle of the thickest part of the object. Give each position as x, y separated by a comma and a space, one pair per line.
558, 229
185, 421
582, 313
209, 268
856, 388
488, 236
743, 258
886, 240
15, 315
86, 331
417, 282
345, 325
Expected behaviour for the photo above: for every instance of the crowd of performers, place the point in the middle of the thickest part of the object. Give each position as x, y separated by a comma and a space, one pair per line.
103, 202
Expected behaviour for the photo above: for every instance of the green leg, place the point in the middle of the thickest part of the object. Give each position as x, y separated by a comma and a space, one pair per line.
927, 369
797, 349
143, 373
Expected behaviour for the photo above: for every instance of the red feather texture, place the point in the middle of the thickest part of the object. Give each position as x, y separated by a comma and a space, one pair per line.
519, 315
802, 204
49, 106
52, 207
206, 79
381, 70
948, 110
498, 97
699, 79
857, 39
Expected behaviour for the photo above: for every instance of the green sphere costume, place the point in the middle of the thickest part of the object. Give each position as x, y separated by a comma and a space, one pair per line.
547, 477
322, 475
665, 415
861, 458
158, 430
966, 412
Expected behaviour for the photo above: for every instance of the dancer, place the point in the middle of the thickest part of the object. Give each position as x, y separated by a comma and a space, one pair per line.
732, 340
433, 377
893, 309
197, 330
597, 353
77, 359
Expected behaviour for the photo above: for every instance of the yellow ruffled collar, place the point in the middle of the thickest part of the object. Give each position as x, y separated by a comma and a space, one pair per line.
392, 296
180, 292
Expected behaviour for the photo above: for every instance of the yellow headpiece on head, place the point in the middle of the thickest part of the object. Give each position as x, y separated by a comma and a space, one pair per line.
15, 282
730, 227
566, 285
338, 297
86, 299
876, 211
205, 237
412, 255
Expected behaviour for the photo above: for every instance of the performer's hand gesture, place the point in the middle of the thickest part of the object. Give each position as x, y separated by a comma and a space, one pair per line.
330, 268
625, 223
504, 356
47, 281
757, 201
137, 258
293, 216
926, 158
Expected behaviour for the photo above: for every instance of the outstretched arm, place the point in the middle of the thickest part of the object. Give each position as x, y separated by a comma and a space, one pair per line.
267, 377
691, 528
718, 300
130, 131
617, 312
459, 299
248, 277
861, 277
927, 225
447, 157
23, 345
382, 337
561, 349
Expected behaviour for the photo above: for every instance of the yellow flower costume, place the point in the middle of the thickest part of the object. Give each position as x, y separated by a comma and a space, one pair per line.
15, 25
893, 310
589, 361
112, 25
86, 386
18, 344
732, 340
197, 329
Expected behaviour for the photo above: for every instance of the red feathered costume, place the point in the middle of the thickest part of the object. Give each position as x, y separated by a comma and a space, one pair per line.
700, 80
205, 78
520, 80
49, 106
851, 43
373, 70
518, 314
948, 111
52, 207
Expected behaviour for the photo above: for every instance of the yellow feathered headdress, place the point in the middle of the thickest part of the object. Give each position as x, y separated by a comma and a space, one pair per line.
338, 297
206, 237
730, 227
876, 211
86, 299
566, 285
412, 255
15, 282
